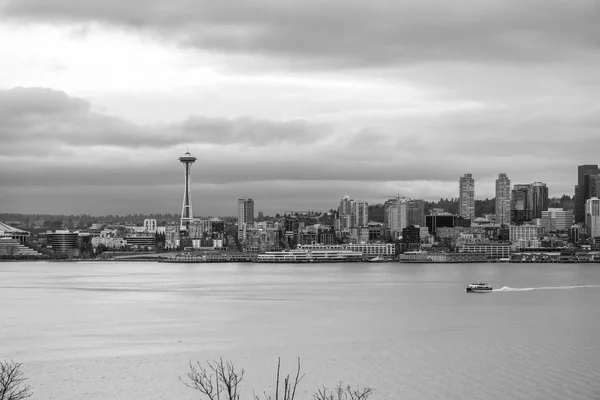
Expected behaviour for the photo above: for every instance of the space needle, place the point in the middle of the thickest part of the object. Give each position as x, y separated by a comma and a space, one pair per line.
186, 210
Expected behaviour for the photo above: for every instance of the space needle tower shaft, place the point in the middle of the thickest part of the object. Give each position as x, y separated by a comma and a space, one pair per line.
187, 215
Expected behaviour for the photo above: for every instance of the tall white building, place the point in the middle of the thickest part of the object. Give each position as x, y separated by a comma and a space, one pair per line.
592, 216
353, 214
466, 196
396, 215
503, 199
245, 215
360, 210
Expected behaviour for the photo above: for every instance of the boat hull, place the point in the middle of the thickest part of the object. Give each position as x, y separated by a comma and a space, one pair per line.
477, 290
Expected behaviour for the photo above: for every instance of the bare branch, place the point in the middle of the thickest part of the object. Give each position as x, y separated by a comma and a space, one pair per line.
12, 382
218, 377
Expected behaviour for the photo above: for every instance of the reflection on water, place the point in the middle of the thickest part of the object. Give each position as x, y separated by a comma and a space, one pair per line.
127, 331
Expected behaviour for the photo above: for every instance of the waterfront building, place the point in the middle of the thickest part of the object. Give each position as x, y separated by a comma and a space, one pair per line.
172, 235
10, 247
140, 240
187, 216
582, 189
245, 215
525, 235
466, 197
493, 251
592, 217
368, 249
7, 231
64, 241
422, 257
503, 199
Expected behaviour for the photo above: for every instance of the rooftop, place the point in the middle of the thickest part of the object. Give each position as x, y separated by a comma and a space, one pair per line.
187, 157
9, 229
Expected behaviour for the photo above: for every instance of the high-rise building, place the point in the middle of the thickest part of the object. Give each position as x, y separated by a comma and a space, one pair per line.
503, 199
539, 199
520, 204
390, 216
245, 215
345, 213
528, 201
360, 210
353, 214
186, 210
416, 212
466, 196
592, 216
582, 189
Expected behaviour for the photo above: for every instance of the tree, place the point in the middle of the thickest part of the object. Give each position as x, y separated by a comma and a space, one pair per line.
220, 380
343, 393
12, 382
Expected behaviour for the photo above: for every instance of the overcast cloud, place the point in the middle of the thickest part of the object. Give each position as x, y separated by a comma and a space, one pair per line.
294, 104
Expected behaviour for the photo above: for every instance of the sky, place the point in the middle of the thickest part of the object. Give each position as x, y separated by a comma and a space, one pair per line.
292, 103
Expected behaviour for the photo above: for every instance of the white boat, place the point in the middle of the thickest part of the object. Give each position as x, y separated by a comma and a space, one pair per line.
478, 287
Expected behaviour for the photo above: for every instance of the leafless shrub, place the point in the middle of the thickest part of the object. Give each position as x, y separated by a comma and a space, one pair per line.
12, 382
341, 392
289, 387
213, 380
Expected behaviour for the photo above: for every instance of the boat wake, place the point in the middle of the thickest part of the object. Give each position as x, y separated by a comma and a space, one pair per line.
528, 289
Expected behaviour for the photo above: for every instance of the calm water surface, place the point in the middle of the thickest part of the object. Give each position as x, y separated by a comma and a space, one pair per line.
128, 330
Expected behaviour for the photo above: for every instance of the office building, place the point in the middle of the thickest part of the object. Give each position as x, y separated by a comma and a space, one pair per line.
466, 197
539, 199
520, 204
592, 217
64, 241
557, 219
503, 199
582, 189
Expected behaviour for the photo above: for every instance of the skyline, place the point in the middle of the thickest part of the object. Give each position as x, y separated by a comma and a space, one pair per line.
97, 101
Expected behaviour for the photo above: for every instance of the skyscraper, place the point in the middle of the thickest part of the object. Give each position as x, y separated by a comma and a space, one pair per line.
245, 215
582, 189
353, 214
186, 210
592, 217
503, 199
390, 216
539, 199
520, 204
360, 211
466, 197
416, 212
345, 215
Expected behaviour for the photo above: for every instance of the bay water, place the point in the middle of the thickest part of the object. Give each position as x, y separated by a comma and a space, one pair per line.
118, 330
